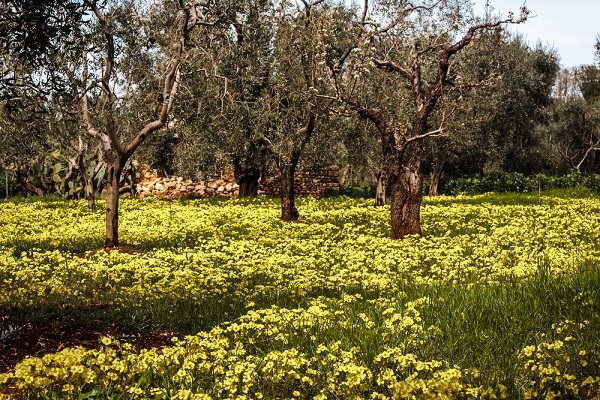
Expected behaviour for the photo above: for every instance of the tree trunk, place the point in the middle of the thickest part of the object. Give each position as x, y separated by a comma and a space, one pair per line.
380, 192
113, 174
246, 178
89, 193
248, 185
288, 209
406, 184
434, 181
595, 169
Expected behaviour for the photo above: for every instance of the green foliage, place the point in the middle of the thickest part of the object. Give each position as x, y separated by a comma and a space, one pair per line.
58, 176
13, 186
589, 82
357, 192
519, 183
34, 36
494, 125
54, 176
571, 128
31, 30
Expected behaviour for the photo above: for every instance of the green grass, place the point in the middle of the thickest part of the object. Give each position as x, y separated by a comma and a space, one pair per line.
485, 327
493, 274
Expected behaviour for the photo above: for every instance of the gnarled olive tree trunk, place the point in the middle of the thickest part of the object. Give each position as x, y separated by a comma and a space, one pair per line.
246, 178
434, 180
406, 186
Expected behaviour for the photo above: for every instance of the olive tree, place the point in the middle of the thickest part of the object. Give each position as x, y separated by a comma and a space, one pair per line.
220, 113
493, 128
125, 72
267, 91
414, 44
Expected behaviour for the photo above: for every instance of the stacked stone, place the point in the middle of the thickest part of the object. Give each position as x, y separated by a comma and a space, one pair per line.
308, 183
315, 183
150, 184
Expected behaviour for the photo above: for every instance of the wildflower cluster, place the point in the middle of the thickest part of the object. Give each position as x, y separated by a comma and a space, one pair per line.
325, 308
558, 367
271, 353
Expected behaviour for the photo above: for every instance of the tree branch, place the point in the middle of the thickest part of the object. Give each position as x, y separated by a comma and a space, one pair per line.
410, 8
593, 147
26, 184
392, 66
360, 29
91, 130
171, 82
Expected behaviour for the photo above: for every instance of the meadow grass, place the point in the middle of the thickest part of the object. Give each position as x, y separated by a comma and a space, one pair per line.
500, 297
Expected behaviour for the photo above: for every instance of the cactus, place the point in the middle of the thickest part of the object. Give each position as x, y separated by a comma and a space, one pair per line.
56, 175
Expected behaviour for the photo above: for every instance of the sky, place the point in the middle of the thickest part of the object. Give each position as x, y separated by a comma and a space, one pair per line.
570, 27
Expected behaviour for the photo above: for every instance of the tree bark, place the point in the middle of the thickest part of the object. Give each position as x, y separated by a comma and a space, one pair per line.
434, 180
380, 192
89, 193
595, 168
289, 212
113, 174
407, 194
246, 178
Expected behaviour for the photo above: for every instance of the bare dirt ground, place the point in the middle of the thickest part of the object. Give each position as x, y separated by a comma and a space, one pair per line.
23, 339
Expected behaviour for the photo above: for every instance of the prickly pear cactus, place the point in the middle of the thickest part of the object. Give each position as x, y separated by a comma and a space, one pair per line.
56, 175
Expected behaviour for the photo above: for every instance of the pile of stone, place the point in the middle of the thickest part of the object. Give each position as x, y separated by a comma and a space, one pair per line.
150, 184
314, 183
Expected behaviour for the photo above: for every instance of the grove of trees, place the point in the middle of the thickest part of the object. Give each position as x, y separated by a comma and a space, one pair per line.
395, 90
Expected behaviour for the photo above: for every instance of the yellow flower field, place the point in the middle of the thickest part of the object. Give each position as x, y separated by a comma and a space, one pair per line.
498, 299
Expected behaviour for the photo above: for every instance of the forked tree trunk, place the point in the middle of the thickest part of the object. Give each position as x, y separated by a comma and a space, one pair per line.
113, 174
288, 208
434, 181
380, 192
246, 178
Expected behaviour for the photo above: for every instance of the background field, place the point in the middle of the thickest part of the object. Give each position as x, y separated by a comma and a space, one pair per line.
501, 297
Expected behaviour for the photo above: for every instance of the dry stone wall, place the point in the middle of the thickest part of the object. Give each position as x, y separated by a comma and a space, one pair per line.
314, 183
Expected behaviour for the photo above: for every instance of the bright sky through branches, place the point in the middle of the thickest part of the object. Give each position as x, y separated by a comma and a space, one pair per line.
569, 27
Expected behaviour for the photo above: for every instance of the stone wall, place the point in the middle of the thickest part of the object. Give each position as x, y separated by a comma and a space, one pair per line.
308, 183
315, 183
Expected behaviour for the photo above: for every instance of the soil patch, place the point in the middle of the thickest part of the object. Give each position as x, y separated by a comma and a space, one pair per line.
18, 340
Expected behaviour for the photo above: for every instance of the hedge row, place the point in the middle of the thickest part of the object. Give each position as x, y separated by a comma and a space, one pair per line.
519, 183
